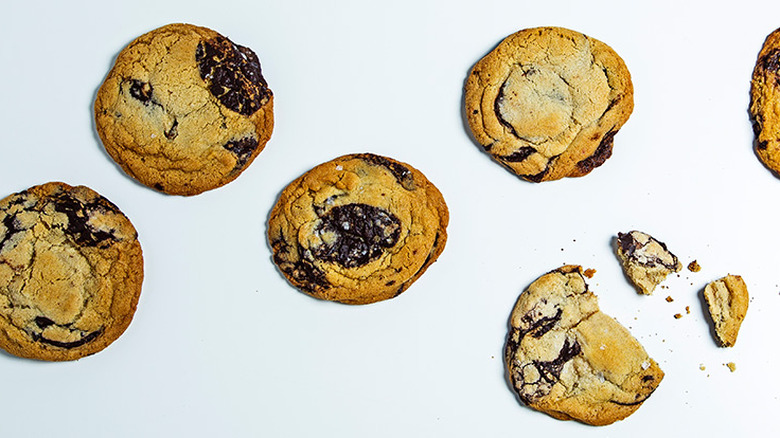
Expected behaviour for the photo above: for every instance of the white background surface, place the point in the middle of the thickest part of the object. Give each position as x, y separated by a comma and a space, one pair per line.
221, 345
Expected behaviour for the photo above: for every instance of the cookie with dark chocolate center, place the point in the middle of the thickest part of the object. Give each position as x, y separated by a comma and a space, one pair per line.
358, 229
184, 109
71, 270
547, 102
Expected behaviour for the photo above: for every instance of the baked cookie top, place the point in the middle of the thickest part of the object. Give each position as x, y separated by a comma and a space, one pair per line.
765, 102
184, 109
71, 270
727, 302
547, 102
568, 359
358, 229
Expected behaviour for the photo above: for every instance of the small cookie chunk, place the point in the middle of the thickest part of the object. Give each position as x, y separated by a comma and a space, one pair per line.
764, 97
568, 359
184, 109
646, 261
71, 270
547, 102
727, 302
357, 229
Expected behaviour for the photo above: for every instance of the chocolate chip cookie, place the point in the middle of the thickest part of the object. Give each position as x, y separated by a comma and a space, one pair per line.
646, 261
358, 229
764, 98
566, 358
184, 109
71, 270
547, 102
727, 302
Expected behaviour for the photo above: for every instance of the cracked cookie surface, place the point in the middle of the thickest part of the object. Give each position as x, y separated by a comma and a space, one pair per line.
566, 358
727, 302
184, 109
358, 229
71, 269
646, 261
547, 102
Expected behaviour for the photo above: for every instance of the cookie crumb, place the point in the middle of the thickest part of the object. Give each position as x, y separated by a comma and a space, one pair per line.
688, 310
669, 299
732, 366
702, 367
677, 315
589, 272
694, 266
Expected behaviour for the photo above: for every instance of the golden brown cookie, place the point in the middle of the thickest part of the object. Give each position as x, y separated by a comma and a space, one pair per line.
358, 229
547, 102
71, 270
568, 359
727, 302
184, 109
765, 102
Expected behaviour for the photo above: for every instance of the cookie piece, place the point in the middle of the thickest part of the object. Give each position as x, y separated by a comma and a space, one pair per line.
358, 229
646, 261
764, 98
71, 270
568, 359
547, 102
184, 109
727, 302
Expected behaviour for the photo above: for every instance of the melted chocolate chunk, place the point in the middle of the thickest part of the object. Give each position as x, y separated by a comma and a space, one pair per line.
68, 345
630, 245
243, 149
600, 155
43, 322
401, 173
173, 132
538, 177
497, 109
771, 61
551, 370
10, 229
519, 155
78, 214
357, 234
537, 328
141, 90
233, 75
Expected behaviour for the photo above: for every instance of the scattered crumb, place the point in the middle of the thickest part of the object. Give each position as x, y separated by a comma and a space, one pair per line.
688, 310
677, 315
694, 266
589, 272
732, 366
669, 299
702, 367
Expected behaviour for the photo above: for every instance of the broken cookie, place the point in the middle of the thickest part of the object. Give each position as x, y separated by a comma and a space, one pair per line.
646, 261
568, 359
727, 303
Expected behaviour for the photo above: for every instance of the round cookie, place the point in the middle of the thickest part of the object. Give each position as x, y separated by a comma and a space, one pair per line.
568, 359
184, 109
765, 102
71, 270
546, 102
358, 229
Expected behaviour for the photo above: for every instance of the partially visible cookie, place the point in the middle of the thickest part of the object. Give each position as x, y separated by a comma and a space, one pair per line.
358, 229
646, 261
568, 359
727, 302
547, 102
764, 98
184, 109
71, 270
